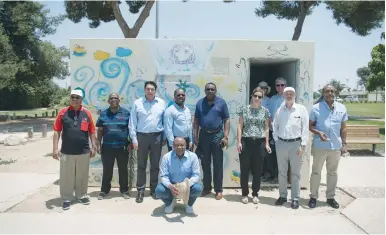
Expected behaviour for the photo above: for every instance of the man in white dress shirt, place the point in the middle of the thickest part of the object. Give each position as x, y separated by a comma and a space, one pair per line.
290, 131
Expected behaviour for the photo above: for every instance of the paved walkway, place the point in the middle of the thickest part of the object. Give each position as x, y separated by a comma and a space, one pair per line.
35, 208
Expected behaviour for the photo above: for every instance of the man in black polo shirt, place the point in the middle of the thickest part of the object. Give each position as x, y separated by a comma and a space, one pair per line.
113, 127
76, 126
211, 131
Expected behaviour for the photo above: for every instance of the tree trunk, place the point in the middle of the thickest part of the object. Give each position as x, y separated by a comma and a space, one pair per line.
299, 24
126, 30
304, 7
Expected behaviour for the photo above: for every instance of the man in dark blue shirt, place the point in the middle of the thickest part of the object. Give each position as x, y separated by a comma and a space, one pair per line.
113, 128
210, 117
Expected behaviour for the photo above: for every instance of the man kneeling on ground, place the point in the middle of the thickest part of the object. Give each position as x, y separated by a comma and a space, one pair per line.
175, 166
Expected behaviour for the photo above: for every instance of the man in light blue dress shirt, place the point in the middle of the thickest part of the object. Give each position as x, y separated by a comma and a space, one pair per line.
146, 132
178, 120
328, 123
266, 100
177, 165
275, 102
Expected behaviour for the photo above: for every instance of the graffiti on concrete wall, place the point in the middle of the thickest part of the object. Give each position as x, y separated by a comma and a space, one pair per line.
99, 70
178, 57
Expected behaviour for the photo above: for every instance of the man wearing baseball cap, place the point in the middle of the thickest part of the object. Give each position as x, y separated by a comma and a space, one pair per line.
74, 123
290, 131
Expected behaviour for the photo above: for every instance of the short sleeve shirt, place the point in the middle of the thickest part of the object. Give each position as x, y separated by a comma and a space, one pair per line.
254, 121
211, 116
115, 127
76, 127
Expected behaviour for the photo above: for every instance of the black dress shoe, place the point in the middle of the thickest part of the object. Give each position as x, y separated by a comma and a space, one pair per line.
154, 196
140, 196
334, 204
312, 203
280, 201
205, 192
295, 204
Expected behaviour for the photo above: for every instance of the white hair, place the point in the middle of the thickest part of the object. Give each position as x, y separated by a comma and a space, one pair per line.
280, 79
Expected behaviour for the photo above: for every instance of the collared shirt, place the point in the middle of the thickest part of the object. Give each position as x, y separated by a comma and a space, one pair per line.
265, 102
329, 122
76, 127
178, 122
146, 117
115, 127
211, 116
291, 123
254, 121
274, 104
174, 170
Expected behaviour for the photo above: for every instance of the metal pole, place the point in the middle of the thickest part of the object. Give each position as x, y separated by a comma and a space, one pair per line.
157, 19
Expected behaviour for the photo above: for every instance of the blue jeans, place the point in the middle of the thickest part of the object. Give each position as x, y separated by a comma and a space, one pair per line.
166, 195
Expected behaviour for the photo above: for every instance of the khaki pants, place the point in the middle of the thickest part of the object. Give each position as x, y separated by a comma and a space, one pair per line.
74, 176
331, 157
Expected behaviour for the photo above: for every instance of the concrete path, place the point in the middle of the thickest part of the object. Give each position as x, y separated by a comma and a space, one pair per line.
102, 223
35, 208
16, 187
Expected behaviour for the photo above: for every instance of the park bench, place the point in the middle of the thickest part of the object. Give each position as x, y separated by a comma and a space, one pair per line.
364, 134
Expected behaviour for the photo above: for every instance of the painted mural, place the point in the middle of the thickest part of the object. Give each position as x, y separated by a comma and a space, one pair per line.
102, 66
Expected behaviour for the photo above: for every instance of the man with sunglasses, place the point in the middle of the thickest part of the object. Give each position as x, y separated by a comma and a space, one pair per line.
210, 117
147, 134
178, 121
113, 127
274, 104
75, 124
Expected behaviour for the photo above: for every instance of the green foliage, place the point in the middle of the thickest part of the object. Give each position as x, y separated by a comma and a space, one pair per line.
103, 11
27, 63
360, 16
289, 10
373, 76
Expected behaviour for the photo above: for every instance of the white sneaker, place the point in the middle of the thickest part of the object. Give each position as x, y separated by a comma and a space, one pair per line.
244, 199
189, 210
255, 200
169, 209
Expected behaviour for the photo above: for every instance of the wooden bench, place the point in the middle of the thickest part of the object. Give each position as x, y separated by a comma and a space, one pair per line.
364, 134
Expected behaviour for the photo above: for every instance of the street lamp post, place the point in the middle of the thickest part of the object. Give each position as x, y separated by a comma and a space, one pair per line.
157, 19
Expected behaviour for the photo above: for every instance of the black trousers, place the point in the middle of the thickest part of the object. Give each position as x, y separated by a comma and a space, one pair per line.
108, 158
210, 144
187, 140
251, 159
271, 159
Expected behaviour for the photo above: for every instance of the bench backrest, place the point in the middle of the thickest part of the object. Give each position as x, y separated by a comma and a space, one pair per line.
363, 132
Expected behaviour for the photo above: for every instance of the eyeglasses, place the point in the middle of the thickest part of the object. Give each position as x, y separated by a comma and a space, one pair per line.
278, 85
183, 95
258, 96
114, 98
210, 89
264, 87
75, 97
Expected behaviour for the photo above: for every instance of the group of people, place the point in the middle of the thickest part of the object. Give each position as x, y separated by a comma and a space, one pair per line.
272, 134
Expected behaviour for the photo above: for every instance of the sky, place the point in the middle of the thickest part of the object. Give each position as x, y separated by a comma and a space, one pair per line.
338, 51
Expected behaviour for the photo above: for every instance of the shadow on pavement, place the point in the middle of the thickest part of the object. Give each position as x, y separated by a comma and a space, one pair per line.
177, 215
54, 203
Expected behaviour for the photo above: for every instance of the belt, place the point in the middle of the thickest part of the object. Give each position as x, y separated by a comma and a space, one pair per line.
290, 140
211, 132
150, 134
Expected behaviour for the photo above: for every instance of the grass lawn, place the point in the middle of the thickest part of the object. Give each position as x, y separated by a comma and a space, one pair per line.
366, 109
